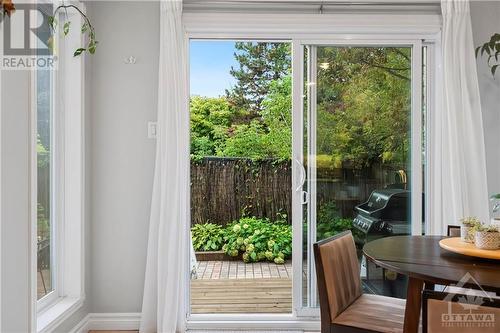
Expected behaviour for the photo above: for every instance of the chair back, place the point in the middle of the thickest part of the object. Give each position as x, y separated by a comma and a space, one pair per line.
444, 312
338, 275
453, 231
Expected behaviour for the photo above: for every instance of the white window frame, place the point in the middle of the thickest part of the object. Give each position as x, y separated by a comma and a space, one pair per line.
67, 177
303, 29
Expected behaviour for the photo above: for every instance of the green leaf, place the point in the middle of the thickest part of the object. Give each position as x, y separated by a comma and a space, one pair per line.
52, 22
92, 46
78, 51
66, 28
483, 49
85, 27
494, 69
477, 50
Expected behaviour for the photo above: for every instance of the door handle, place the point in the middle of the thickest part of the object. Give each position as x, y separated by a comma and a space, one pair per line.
302, 175
304, 197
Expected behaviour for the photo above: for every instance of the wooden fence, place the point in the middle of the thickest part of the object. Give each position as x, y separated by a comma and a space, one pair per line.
224, 189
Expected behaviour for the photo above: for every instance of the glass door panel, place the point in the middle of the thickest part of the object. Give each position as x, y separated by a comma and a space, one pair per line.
359, 153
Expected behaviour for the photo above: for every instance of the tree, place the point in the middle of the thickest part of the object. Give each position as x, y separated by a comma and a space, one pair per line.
211, 119
259, 65
363, 105
271, 136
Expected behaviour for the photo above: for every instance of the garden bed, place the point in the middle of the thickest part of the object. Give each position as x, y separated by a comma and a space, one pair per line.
215, 256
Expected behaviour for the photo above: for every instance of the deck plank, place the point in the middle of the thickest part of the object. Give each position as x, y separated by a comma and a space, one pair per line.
255, 295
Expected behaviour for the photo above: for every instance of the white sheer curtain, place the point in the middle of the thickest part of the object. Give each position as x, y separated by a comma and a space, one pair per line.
459, 162
164, 290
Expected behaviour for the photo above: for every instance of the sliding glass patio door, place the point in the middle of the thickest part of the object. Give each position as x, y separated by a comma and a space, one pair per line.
357, 152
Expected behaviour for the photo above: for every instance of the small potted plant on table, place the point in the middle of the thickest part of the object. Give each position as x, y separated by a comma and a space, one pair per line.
487, 237
467, 229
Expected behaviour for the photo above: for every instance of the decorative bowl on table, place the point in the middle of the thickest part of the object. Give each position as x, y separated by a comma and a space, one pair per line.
487, 238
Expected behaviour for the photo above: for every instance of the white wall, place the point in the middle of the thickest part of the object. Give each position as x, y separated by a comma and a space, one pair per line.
123, 98
15, 202
486, 21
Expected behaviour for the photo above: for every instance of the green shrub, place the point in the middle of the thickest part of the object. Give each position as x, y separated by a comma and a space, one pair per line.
329, 222
258, 240
207, 237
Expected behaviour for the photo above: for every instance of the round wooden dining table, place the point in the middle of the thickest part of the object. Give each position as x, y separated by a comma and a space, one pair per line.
426, 263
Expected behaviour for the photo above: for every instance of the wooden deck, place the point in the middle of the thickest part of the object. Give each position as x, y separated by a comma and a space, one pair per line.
239, 270
260, 295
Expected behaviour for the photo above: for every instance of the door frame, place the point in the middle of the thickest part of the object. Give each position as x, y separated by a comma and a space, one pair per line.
417, 168
329, 29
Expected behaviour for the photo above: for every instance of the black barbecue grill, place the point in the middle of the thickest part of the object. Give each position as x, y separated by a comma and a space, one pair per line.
386, 213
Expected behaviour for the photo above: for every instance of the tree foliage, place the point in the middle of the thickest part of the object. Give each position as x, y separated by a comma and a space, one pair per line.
363, 97
259, 64
363, 104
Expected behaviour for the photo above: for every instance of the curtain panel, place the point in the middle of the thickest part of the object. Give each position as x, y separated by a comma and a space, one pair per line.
163, 308
459, 184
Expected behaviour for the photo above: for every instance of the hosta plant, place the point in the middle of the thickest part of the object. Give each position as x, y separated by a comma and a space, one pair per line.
207, 237
259, 240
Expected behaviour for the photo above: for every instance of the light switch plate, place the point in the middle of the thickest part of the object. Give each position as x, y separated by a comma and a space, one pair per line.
152, 129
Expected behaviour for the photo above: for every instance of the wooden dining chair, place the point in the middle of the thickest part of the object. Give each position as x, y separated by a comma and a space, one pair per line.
444, 312
453, 231
343, 306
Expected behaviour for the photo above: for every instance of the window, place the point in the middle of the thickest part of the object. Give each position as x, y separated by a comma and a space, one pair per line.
45, 184
58, 192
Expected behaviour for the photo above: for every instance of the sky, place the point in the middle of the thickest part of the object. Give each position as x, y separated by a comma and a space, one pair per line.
210, 62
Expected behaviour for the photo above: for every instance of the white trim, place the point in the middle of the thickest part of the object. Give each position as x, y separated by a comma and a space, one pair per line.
33, 202
131, 321
69, 185
416, 139
301, 29
312, 115
249, 325
431, 97
297, 171
108, 321
57, 313
312, 6
296, 26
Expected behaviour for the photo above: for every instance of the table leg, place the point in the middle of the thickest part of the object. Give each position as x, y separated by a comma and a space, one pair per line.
413, 305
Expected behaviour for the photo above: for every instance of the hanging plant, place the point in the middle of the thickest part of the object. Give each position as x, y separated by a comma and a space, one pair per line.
86, 29
492, 50
8, 8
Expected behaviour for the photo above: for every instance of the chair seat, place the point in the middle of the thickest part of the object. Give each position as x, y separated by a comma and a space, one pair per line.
375, 313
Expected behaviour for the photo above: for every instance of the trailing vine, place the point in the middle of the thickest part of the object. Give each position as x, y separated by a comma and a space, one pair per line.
8, 8
86, 28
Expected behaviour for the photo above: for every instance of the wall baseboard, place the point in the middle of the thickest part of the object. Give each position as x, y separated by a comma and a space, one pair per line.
131, 321
108, 321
